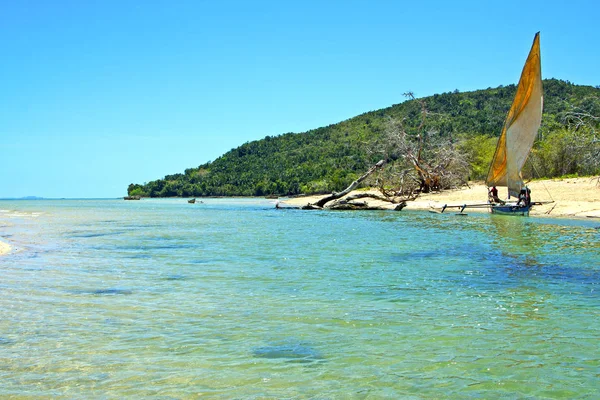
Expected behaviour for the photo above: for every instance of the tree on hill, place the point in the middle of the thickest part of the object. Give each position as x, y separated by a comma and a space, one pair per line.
572, 145
328, 159
421, 158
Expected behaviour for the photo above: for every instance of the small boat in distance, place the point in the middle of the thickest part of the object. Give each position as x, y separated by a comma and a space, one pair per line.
192, 201
132, 198
516, 140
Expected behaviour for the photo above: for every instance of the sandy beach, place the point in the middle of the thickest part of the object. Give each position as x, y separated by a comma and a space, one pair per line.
568, 198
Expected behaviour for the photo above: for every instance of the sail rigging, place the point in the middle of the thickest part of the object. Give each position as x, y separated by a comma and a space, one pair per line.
520, 127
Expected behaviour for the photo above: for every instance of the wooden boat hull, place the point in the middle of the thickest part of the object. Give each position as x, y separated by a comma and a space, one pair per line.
511, 210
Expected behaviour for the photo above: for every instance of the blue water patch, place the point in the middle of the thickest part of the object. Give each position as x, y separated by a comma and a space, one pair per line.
289, 352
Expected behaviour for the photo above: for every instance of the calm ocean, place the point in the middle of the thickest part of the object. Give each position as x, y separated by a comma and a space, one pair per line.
233, 299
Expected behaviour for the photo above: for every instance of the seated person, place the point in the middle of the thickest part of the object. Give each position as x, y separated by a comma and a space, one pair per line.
523, 198
493, 195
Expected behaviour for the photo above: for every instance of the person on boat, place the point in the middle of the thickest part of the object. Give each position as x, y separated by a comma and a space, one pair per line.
493, 193
524, 197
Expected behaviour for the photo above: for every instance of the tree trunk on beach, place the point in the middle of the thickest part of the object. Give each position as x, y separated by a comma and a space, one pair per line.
363, 205
341, 200
420, 161
334, 196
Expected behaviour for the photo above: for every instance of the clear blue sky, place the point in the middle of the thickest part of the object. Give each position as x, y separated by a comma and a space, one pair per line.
95, 95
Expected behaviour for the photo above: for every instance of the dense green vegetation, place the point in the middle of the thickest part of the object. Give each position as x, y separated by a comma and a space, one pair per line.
327, 159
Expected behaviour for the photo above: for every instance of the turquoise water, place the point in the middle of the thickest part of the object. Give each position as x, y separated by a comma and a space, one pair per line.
233, 299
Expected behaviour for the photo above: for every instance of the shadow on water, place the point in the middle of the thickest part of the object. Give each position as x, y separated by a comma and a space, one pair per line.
174, 277
161, 243
6, 342
142, 256
505, 251
518, 269
289, 352
147, 247
84, 235
529, 246
103, 292
199, 261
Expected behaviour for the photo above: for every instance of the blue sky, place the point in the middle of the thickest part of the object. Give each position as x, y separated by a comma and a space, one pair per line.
95, 95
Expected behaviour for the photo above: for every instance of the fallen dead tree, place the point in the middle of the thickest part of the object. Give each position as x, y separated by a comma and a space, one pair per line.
362, 205
343, 201
420, 161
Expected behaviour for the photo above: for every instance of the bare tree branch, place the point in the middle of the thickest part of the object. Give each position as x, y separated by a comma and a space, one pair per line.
321, 203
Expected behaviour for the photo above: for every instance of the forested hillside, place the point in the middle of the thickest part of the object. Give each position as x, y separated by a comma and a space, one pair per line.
327, 159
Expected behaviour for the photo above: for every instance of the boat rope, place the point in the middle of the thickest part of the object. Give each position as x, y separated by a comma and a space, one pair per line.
538, 174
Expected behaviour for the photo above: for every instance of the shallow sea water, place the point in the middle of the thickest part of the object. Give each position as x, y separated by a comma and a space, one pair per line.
233, 299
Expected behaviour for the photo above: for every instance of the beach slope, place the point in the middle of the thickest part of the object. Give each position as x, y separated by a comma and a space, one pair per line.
567, 198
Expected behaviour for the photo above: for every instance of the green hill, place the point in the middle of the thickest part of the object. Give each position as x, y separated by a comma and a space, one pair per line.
329, 158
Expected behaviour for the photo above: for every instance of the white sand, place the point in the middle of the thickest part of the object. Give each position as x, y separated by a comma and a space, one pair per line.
571, 198
4, 248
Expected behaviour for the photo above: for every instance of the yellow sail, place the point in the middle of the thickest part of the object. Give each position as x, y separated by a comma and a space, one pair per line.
521, 126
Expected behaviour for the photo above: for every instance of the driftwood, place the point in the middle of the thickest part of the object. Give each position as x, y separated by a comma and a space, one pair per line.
334, 196
355, 205
550, 210
362, 205
392, 198
310, 206
339, 200
370, 195
346, 205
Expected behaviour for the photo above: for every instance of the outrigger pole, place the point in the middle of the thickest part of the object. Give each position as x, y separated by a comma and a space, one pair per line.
462, 207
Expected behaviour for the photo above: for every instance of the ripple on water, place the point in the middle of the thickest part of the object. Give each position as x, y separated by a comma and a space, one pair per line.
159, 299
6, 341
